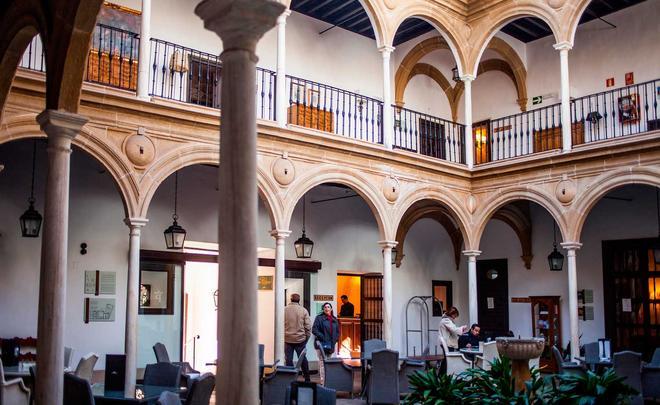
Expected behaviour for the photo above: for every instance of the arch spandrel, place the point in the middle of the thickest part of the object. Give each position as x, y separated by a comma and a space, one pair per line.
357, 181
598, 187
24, 126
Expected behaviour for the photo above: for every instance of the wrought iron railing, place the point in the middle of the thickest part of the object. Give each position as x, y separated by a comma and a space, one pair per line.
619, 112
191, 76
113, 58
34, 57
518, 134
330, 109
428, 135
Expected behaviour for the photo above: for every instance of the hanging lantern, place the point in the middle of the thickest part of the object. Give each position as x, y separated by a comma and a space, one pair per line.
454, 74
175, 235
555, 258
303, 245
31, 219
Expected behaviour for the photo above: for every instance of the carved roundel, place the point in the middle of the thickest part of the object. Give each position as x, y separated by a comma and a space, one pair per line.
471, 203
139, 149
565, 191
556, 4
391, 189
283, 171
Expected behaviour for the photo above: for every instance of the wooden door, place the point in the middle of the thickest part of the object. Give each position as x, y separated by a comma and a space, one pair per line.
493, 297
631, 283
546, 323
203, 82
431, 139
372, 306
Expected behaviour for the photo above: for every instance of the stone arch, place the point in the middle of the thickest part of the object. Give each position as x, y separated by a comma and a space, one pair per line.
511, 65
571, 20
348, 177
442, 24
492, 205
11, 52
485, 29
602, 185
25, 127
454, 208
198, 155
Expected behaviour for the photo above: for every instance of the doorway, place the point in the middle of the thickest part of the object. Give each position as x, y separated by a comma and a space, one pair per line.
631, 285
349, 315
481, 136
493, 297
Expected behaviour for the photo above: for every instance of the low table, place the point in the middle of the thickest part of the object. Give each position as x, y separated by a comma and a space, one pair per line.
471, 351
150, 394
16, 372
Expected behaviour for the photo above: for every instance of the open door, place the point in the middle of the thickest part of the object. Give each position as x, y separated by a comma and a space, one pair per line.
371, 304
482, 142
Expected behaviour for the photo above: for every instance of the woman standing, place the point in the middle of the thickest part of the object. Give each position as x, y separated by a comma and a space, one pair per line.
449, 332
326, 329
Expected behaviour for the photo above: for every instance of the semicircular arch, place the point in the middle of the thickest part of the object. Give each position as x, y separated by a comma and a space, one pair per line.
605, 184
25, 126
492, 205
199, 155
348, 177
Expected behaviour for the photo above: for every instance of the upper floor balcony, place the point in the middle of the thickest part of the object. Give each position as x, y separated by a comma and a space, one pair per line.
183, 74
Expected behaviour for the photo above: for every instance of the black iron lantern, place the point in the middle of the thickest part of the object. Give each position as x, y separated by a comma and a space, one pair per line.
175, 235
303, 245
454, 74
555, 259
394, 252
31, 219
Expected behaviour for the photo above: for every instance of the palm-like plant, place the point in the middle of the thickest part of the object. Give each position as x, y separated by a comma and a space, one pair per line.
431, 388
589, 389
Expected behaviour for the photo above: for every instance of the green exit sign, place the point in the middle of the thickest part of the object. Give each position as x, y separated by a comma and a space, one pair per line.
537, 100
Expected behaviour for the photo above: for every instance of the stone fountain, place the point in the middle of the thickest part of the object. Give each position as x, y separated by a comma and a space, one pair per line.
520, 351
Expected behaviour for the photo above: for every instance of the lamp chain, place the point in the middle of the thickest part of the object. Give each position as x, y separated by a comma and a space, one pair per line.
176, 192
657, 205
304, 200
34, 165
554, 234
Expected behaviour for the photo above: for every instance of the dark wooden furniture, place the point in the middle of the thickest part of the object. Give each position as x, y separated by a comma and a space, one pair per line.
550, 138
372, 306
349, 336
310, 117
146, 394
112, 70
546, 323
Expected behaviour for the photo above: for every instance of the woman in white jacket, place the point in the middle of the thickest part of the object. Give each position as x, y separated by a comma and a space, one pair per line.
448, 330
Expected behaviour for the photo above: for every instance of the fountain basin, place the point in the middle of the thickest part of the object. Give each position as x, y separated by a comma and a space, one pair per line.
520, 351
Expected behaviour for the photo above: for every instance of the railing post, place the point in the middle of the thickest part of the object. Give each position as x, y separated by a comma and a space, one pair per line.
388, 136
280, 83
469, 139
143, 58
563, 48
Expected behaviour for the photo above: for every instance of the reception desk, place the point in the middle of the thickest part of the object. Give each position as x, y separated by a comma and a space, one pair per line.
350, 337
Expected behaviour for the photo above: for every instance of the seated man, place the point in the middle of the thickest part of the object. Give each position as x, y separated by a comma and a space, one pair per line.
471, 338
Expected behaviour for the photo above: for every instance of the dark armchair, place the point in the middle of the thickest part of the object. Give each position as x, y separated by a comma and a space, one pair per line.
77, 390
333, 372
276, 383
162, 374
566, 367
384, 379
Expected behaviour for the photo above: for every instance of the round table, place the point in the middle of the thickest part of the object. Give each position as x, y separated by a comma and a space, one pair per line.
471, 351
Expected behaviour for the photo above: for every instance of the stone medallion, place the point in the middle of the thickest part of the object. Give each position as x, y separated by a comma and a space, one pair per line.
283, 171
565, 191
471, 203
391, 189
556, 4
139, 149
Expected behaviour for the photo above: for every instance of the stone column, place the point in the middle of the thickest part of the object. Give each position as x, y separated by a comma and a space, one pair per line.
240, 24
387, 246
61, 127
473, 303
469, 139
280, 272
280, 89
132, 296
144, 57
563, 48
571, 249
388, 129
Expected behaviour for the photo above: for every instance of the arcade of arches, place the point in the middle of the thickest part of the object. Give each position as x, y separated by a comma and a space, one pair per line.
112, 165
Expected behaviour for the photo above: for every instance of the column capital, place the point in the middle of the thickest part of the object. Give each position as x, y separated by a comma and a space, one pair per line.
280, 233
471, 253
467, 78
61, 123
387, 244
239, 23
571, 245
134, 222
563, 45
386, 50
282, 17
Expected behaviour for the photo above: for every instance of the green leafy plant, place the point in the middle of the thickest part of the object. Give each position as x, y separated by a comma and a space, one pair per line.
498, 386
431, 388
589, 389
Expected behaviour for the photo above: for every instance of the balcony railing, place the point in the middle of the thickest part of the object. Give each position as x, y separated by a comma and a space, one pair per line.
330, 109
191, 76
615, 113
429, 135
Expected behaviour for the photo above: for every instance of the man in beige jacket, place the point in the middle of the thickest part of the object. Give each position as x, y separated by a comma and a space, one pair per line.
297, 330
